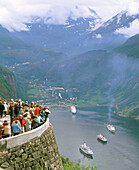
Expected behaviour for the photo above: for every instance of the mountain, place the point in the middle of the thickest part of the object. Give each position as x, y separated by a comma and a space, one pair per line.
25, 60
78, 35
100, 77
130, 47
7, 84
60, 37
97, 76
121, 20
106, 34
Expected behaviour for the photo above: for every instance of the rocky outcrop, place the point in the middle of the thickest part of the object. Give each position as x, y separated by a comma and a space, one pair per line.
38, 153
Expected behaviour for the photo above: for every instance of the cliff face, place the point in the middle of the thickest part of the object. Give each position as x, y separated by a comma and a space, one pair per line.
7, 84
39, 152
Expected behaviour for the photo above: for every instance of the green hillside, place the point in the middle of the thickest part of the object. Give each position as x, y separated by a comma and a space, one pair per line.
25, 60
97, 75
130, 47
7, 84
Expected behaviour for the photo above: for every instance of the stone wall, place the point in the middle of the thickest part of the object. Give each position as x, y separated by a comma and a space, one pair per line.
41, 152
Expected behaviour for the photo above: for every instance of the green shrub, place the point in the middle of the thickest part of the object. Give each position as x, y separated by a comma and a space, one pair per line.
67, 164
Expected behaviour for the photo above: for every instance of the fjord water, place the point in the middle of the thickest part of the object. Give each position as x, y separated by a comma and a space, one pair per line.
121, 152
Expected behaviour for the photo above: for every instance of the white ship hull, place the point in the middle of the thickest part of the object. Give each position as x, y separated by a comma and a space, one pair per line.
73, 109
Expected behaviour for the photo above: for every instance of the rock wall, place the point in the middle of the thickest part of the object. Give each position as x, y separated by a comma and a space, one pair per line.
38, 153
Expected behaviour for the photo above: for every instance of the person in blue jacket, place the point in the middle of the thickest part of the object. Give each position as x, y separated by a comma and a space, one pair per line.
16, 128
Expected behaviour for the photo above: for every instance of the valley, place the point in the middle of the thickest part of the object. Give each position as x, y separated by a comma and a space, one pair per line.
75, 63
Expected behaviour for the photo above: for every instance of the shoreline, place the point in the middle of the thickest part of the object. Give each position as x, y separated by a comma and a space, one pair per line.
117, 113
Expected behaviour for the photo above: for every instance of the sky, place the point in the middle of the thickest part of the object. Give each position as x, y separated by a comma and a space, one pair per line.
15, 13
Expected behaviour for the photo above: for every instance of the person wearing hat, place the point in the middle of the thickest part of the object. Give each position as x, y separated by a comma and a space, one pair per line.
47, 112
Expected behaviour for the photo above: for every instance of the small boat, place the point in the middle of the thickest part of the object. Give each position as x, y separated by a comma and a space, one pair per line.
102, 138
86, 150
73, 109
111, 128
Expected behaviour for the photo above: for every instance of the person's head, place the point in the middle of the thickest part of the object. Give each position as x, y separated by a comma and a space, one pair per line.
1, 126
22, 113
26, 102
5, 121
12, 100
16, 121
20, 117
30, 110
28, 117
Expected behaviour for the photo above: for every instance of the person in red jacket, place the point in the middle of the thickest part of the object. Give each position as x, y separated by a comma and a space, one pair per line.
36, 112
22, 122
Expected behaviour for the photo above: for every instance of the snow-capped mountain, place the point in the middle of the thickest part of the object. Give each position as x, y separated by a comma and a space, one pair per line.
122, 20
67, 35
112, 33
79, 34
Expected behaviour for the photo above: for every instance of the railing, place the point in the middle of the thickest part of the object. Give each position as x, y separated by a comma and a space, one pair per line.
24, 137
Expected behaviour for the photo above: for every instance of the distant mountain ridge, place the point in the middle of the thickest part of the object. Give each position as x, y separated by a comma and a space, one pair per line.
59, 37
121, 20
130, 47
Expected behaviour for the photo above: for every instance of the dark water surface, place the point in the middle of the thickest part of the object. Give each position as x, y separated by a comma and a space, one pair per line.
122, 149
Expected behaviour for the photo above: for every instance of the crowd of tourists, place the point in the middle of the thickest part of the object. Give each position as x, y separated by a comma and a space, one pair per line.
23, 117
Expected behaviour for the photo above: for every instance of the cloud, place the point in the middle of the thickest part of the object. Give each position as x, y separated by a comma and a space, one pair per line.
16, 13
14, 16
131, 30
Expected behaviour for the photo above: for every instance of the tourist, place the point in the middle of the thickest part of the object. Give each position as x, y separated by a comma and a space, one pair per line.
11, 110
29, 122
18, 122
1, 109
34, 122
26, 106
27, 119
16, 108
36, 112
6, 130
39, 120
31, 112
47, 112
22, 122
5, 108
1, 131
16, 128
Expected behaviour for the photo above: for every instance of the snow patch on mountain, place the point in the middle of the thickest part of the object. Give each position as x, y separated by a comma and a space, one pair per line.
98, 36
69, 26
119, 18
131, 30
